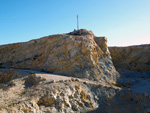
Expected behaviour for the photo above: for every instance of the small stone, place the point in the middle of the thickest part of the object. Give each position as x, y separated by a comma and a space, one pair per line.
53, 81
87, 104
85, 82
71, 96
61, 81
80, 103
31, 73
77, 80
65, 80
96, 98
43, 79
11, 69
12, 83
145, 94
73, 79
77, 87
67, 104
69, 80
46, 100
74, 107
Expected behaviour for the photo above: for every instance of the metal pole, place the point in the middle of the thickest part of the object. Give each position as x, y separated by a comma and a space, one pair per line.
77, 23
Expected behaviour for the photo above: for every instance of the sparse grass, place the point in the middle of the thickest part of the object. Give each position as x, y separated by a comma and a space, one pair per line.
2, 85
20, 101
11, 104
26, 110
30, 98
23, 92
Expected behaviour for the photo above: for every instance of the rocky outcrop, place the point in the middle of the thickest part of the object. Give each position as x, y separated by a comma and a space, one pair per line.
67, 95
38, 92
131, 58
78, 54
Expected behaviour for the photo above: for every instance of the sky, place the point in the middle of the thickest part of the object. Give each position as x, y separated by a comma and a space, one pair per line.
123, 22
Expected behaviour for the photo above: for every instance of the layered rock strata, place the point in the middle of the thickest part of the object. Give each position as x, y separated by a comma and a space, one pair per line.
78, 54
135, 58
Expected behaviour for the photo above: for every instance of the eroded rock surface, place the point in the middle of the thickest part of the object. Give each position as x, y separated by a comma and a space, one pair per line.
135, 58
78, 54
63, 94
86, 81
47, 94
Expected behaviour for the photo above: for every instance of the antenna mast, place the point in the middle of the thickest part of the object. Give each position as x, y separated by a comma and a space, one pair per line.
77, 23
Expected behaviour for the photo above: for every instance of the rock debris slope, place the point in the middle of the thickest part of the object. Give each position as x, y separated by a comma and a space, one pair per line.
78, 54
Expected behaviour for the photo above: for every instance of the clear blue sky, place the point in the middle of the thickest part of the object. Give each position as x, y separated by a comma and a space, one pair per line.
123, 22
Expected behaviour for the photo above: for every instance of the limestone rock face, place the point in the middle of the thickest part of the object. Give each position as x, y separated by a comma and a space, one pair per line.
131, 58
78, 54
